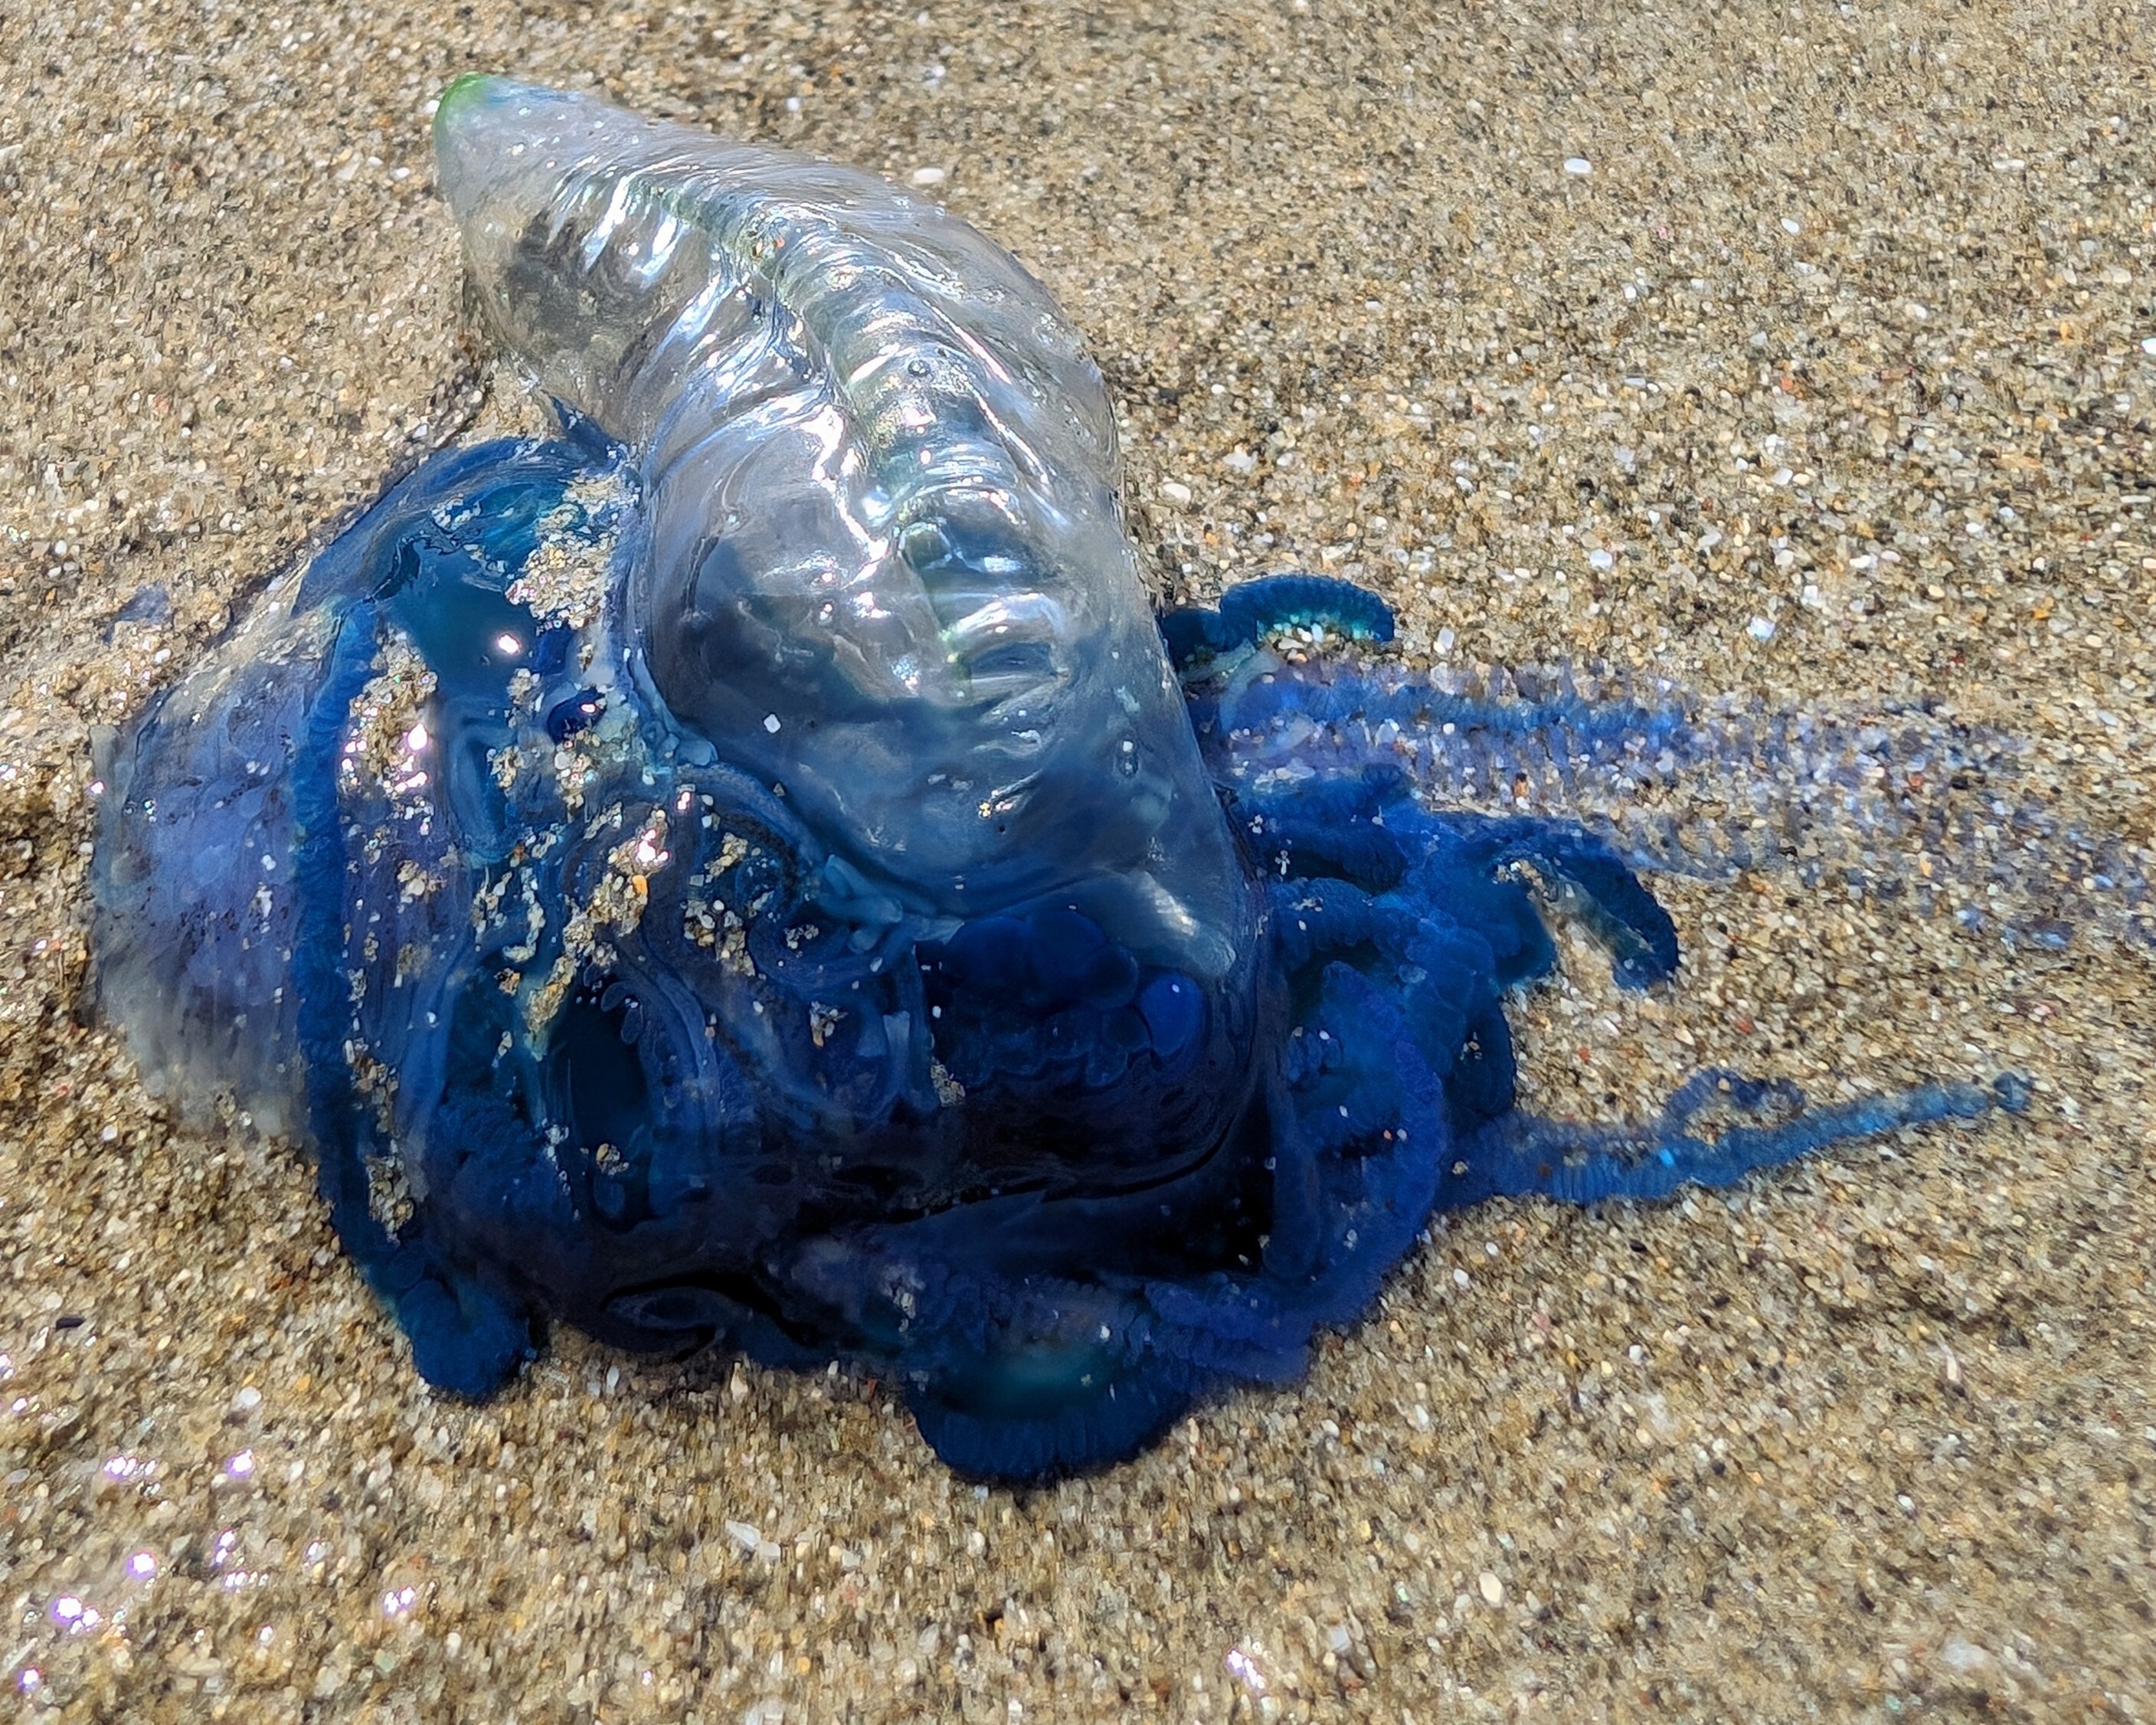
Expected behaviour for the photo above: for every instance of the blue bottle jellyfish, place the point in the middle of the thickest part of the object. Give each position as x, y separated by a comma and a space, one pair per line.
752, 870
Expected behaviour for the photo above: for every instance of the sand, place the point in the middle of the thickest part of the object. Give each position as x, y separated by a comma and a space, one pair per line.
1797, 352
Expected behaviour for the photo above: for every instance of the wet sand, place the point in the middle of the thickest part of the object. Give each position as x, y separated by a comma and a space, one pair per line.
1789, 352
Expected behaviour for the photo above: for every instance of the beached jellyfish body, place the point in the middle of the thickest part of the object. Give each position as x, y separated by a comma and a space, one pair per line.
753, 870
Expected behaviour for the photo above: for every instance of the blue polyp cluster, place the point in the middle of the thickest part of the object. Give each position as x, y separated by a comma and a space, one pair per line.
582, 1021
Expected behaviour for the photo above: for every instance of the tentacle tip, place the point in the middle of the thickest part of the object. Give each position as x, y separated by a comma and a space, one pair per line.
1644, 969
1056, 1439
2013, 1091
467, 1341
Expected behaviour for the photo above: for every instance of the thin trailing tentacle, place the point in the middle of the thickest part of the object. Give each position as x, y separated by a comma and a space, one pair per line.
1912, 802
1520, 1155
1427, 907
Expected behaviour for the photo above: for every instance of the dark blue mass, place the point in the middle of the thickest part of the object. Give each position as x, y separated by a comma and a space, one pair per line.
582, 1020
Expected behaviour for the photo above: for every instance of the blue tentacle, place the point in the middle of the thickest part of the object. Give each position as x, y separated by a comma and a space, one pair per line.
1198, 634
1520, 1155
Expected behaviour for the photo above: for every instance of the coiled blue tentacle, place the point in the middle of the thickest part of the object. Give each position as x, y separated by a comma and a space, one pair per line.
1200, 633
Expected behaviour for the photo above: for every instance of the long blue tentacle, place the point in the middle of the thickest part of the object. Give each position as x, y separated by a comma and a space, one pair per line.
1910, 801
